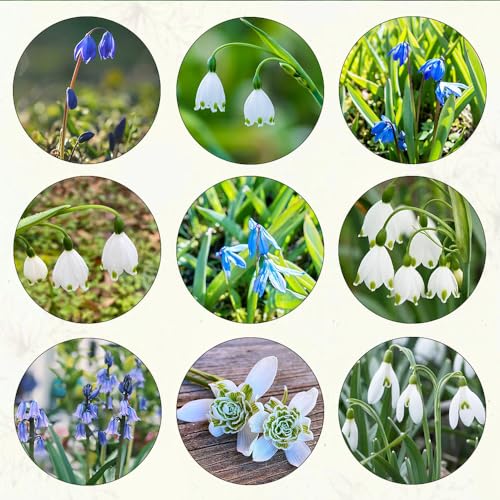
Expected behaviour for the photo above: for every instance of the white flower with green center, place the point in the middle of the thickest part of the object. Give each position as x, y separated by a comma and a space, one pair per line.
70, 272
210, 94
408, 284
466, 405
258, 109
376, 269
384, 378
442, 283
425, 246
230, 411
284, 427
350, 430
410, 398
34, 269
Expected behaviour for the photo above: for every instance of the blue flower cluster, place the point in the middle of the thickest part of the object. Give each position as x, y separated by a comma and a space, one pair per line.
31, 424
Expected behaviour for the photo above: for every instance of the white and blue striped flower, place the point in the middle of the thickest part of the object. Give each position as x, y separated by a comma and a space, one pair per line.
229, 256
269, 271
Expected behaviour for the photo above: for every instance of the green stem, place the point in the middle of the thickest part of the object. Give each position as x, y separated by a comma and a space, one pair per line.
81, 208
424, 230
198, 381
241, 44
31, 444
421, 211
209, 376
118, 466
87, 456
73, 150
55, 227
266, 60
24, 241
231, 298
102, 460
437, 200
387, 448
419, 102
436, 120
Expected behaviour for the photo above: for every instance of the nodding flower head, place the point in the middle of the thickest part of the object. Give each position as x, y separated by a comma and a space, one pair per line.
113, 427
106, 380
269, 271
89, 393
21, 411
80, 431
400, 52
101, 437
34, 269
71, 99
85, 137
34, 411
126, 387
119, 254
127, 411
22, 432
137, 374
432, 68
127, 432
210, 93
70, 272
446, 89
259, 239
258, 109
466, 406
39, 444
107, 46
42, 422
119, 131
86, 48
229, 256
384, 130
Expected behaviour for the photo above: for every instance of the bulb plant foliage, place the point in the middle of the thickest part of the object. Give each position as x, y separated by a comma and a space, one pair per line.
262, 429
256, 95
409, 418
250, 249
102, 415
419, 250
412, 90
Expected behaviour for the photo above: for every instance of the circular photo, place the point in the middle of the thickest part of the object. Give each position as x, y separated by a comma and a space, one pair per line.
412, 249
250, 249
87, 411
86, 90
87, 249
412, 90
250, 411
270, 80
412, 410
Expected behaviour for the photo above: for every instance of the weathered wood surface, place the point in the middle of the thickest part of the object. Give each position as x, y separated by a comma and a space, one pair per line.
233, 360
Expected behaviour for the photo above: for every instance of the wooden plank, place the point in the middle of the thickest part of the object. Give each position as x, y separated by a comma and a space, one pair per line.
233, 360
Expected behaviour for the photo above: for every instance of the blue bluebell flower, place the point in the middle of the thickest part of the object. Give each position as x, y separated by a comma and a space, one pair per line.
127, 432
86, 136
86, 48
113, 426
39, 445
22, 432
108, 359
400, 52
126, 387
101, 437
143, 404
229, 255
136, 373
432, 68
384, 130
21, 410
34, 411
107, 46
127, 411
269, 271
259, 239
120, 130
106, 380
80, 431
71, 99
445, 89
42, 422
86, 412
402, 141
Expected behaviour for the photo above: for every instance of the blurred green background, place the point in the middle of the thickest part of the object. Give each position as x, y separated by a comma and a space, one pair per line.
414, 191
89, 230
126, 86
225, 134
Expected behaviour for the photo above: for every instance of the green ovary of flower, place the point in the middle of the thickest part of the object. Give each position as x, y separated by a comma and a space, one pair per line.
230, 411
283, 426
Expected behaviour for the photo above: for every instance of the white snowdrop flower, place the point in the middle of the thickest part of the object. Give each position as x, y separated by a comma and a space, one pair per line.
408, 284
230, 411
350, 430
466, 405
459, 364
425, 246
70, 272
34, 269
427, 350
442, 283
119, 253
210, 94
384, 377
258, 109
376, 268
410, 398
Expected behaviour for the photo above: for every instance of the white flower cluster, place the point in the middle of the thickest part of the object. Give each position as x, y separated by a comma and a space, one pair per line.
384, 227
261, 429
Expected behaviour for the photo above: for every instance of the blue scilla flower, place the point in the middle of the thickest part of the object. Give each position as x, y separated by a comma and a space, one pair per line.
85, 137
22, 432
127, 432
402, 141
384, 130
39, 445
127, 386
21, 411
445, 89
400, 52
34, 411
101, 437
113, 426
137, 374
432, 68
269, 271
86, 48
119, 131
80, 432
259, 239
71, 99
107, 46
229, 255
107, 381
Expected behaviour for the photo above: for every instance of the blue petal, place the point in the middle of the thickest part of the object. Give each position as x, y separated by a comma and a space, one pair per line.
269, 238
236, 260
276, 279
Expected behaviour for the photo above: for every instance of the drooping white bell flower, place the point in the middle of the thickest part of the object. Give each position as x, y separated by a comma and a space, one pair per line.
425, 246
374, 220
459, 364
405, 222
34, 269
233, 405
258, 109
427, 350
467, 406
408, 284
350, 430
442, 283
119, 253
384, 378
376, 269
210, 94
410, 398
70, 272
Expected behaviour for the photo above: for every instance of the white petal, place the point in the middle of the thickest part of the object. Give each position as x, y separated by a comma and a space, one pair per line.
400, 407
350, 431
394, 387
477, 406
257, 420
35, 269
304, 401
374, 219
442, 283
215, 431
425, 247
376, 388
416, 406
70, 272
376, 269
258, 109
226, 385
262, 375
453, 412
210, 94
245, 440
297, 453
119, 254
263, 450
195, 411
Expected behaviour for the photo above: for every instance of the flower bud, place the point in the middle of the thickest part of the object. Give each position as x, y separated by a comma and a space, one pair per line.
423, 220
120, 130
381, 238
388, 193
111, 141
71, 99
388, 356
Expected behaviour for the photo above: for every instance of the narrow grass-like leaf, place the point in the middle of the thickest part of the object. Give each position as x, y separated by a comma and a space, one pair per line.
365, 110
476, 73
389, 101
27, 222
200, 273
62, 456
445, 122
314, 243
102, 470
228, 224
376, 57
213, 200
142, 454
416, 461
364, 82
409, 121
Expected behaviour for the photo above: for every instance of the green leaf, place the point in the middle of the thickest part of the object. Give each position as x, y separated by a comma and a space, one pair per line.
476, 73
102, 470
62, 458
363, 82
445, 122
32, 220
389, 101
409, 121
314, 243
288, 300
228, 224
200, 273
416, 461
376, 57
142, 454
366, 112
